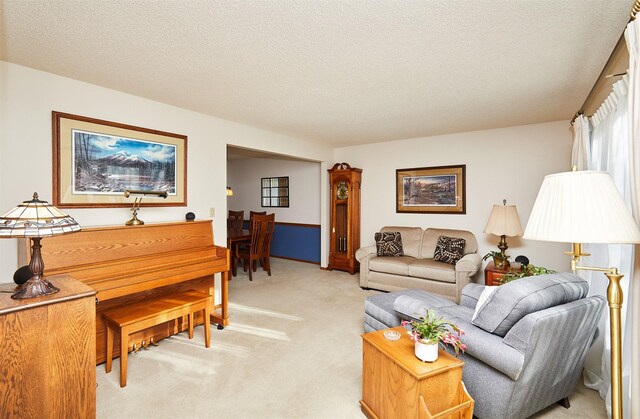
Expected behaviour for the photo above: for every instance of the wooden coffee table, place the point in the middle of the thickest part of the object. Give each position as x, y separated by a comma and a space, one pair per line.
396, 384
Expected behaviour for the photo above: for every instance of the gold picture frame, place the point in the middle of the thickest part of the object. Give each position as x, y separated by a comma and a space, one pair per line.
434, 190
95, 161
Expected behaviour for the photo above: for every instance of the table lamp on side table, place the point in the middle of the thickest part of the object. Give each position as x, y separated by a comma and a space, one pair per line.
36, 219
586, 207
504, 221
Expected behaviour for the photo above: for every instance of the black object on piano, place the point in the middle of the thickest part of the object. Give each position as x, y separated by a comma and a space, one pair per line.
22, 275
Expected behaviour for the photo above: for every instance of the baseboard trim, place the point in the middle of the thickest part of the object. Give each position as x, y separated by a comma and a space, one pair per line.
296, 260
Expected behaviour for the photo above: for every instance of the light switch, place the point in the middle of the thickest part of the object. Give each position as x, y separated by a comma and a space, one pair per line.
212, 212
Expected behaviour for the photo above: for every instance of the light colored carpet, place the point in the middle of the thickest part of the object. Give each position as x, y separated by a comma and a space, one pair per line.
293, 350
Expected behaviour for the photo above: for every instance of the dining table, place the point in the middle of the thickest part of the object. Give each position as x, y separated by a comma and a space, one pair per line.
234, 237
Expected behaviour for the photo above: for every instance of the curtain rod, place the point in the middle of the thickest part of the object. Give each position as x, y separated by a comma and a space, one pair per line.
635, 9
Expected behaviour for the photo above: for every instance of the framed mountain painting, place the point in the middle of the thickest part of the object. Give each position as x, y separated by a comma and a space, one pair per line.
96, 161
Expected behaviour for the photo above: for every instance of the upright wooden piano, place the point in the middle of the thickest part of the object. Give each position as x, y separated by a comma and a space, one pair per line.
126, 264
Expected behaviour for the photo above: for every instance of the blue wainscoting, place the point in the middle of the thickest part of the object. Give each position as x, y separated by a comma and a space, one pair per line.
296, 241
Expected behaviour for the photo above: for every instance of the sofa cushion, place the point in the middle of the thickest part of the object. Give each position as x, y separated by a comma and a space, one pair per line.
514, 300
482, 298
480, 344
411, 306
470, 295
379, 311
483, 346
434, 270
431, 235
411, 239
389, 243
521, 336
449, 249
397, 266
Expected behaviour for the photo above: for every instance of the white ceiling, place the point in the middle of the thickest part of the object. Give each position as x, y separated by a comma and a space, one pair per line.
336, 71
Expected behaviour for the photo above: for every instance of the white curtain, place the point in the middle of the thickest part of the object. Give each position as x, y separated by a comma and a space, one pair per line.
580, 154
632, 38
609, 151
581, 159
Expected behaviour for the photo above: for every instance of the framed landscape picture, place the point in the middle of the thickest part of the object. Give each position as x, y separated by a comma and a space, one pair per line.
95, 161
435, 190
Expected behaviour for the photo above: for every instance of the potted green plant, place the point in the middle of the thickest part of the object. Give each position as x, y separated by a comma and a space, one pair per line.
430, 331
527, 270
500, 260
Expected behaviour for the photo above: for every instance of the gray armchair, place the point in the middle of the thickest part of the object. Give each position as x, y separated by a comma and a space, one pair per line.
526, 343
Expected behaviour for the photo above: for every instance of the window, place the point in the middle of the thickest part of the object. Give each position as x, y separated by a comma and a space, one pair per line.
275, 191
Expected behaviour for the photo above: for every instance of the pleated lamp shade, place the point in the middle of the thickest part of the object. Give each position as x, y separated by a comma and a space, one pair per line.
504, 221
581, 207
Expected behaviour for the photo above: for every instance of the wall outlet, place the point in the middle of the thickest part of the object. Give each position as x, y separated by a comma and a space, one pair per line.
212, 212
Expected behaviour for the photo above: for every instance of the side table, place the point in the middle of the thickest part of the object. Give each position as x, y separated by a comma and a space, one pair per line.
396, 384
48, 353
493, 274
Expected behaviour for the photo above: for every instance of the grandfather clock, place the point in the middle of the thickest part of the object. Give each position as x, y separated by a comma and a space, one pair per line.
345, 217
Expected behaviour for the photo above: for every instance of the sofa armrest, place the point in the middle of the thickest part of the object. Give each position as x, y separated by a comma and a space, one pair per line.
469, 263
365, 252
364, 255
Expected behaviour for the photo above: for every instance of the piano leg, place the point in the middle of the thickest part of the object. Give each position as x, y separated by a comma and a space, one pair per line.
223, 319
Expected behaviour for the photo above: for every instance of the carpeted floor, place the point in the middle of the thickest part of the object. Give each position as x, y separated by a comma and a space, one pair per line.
293, 350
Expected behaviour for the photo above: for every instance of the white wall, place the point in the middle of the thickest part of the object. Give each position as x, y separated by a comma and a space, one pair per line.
27, 98
507, 163
503, 163
243, 175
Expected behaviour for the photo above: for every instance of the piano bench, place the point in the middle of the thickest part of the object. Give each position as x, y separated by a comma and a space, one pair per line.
151, 312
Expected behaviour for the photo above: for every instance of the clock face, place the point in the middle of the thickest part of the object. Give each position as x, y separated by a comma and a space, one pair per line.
342, 191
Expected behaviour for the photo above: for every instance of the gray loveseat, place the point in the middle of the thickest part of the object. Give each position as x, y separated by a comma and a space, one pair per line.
530, 348
417, 269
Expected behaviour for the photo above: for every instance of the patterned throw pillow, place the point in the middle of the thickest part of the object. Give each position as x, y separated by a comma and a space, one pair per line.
449, 249
389, 244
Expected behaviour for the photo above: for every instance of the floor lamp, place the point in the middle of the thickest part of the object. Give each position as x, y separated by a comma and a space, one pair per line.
586, 207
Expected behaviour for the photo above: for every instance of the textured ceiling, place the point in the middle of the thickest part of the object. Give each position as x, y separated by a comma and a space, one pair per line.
334, 71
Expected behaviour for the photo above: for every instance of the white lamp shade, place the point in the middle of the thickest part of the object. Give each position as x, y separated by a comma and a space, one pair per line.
504, 221
581, 207
36, 218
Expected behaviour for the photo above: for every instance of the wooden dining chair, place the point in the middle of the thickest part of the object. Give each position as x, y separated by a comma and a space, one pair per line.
235, 220
252, 213
262, 227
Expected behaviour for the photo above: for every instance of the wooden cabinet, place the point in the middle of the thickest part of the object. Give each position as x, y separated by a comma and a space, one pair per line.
396, 384
48, 353
492, 274
344, 230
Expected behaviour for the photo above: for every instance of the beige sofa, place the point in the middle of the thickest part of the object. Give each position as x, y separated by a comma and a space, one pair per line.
417, 269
